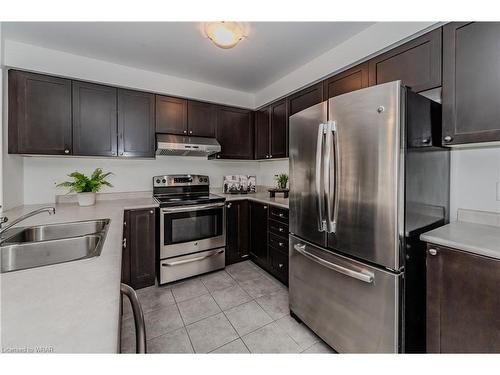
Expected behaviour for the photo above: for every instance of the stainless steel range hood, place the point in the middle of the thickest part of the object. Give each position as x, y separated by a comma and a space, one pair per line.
170, 144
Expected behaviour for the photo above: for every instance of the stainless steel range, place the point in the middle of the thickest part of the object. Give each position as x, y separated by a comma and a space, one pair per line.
192, 236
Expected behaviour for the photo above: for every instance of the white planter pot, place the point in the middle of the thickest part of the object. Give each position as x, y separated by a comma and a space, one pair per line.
86, 199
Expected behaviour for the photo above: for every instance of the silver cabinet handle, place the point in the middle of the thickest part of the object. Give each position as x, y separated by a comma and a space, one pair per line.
280, 229
140, 327
319, 198
433, 252
66, 151
448, 138
179, 262
365, 277
229, 205
280, 244
124, 243
192, 208
185, 131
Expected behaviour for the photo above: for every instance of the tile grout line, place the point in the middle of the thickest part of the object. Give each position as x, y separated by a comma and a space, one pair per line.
184, 325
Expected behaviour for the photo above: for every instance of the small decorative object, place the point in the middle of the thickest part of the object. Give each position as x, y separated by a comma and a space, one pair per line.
282, 180
86, 187
239, 184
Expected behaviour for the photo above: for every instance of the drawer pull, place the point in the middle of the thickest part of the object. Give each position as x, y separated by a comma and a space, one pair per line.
281, 244
280, 265
433, 251
365, 277
171, 264
281, 215
280, 229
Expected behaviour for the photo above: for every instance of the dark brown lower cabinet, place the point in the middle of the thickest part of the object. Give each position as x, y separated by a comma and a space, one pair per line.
237, 231
463, 302
258, 232
138, 256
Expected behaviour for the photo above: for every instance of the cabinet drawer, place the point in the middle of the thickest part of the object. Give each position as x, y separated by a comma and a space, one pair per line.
278, 228
278, 214
279, 264
278, 243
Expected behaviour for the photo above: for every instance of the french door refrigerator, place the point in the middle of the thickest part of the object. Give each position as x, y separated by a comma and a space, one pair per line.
367, 176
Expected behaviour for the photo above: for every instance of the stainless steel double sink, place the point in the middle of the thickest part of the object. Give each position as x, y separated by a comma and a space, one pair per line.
42, 245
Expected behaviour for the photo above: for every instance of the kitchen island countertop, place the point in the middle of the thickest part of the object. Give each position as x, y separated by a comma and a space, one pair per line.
68, 307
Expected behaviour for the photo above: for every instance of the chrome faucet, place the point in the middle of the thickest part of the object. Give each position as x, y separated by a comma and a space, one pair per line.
4, 219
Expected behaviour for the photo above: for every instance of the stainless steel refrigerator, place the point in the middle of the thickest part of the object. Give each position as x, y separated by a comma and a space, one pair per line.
367, 176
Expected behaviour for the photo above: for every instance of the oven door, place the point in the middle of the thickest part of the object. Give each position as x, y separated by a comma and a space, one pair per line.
189, 229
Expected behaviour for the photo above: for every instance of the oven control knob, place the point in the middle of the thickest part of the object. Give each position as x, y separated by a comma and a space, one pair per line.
164, 181
200, 179
158, 180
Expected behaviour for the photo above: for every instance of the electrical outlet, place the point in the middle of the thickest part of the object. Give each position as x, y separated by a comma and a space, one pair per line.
498, 191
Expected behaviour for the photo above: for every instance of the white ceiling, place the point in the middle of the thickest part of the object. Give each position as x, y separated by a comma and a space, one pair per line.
271, 51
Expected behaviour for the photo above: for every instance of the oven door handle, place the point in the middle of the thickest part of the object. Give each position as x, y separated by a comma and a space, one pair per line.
179, 262
192, 208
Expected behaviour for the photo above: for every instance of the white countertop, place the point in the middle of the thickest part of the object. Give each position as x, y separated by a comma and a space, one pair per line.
474, 238
74, 306
262, 196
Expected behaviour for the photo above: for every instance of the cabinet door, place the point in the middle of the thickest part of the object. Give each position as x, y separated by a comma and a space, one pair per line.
202, 119
278, 261
39, 114
463, 303
171, 115
305, 98
141, 243
125, 249
94, 120
136, 123
258, 232
262, 133
279, 130
350, 80
237, 231
416, 63
471, 81
235, 133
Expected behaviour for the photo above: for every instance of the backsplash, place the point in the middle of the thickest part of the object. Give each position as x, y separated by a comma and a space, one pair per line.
41, 174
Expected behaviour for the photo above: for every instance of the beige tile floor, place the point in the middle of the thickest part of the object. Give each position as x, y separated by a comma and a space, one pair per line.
241, 309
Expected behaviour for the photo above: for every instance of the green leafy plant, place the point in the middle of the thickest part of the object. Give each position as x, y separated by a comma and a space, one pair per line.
84, 184
282, 180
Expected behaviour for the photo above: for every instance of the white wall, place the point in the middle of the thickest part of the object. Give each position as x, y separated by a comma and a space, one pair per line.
475, 179
30, 57
370, 41
41, 174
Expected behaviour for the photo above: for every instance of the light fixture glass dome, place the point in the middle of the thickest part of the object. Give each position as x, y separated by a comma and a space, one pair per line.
224, 34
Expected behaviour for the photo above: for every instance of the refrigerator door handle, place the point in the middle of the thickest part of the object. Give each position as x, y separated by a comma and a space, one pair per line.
365, 277
319, 193
330, 180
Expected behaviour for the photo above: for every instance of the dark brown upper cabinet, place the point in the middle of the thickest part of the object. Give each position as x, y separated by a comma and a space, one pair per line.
39, 114
305, 98
350, 80
171, 115
94, 120
235, 133
136, 123
471, 82
262, 120
462, 302
278, 146
416, 63
271, 131
202, 119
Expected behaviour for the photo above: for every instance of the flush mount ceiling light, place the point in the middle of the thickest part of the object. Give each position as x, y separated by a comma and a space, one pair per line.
224, 34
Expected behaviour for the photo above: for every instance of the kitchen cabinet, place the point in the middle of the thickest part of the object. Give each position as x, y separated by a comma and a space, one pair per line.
258, 233
350, 80
138, 255
94, 120
39, 114
136, 123
471, 81
271, 131
234, 132
416, 63
202, 119
237, 231
305, 98
171, 115
463, 303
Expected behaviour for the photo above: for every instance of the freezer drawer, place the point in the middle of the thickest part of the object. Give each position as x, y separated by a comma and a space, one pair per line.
352, 306
178, 268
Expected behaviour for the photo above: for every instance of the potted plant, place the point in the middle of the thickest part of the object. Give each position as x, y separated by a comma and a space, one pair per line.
282, 180
86, 187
